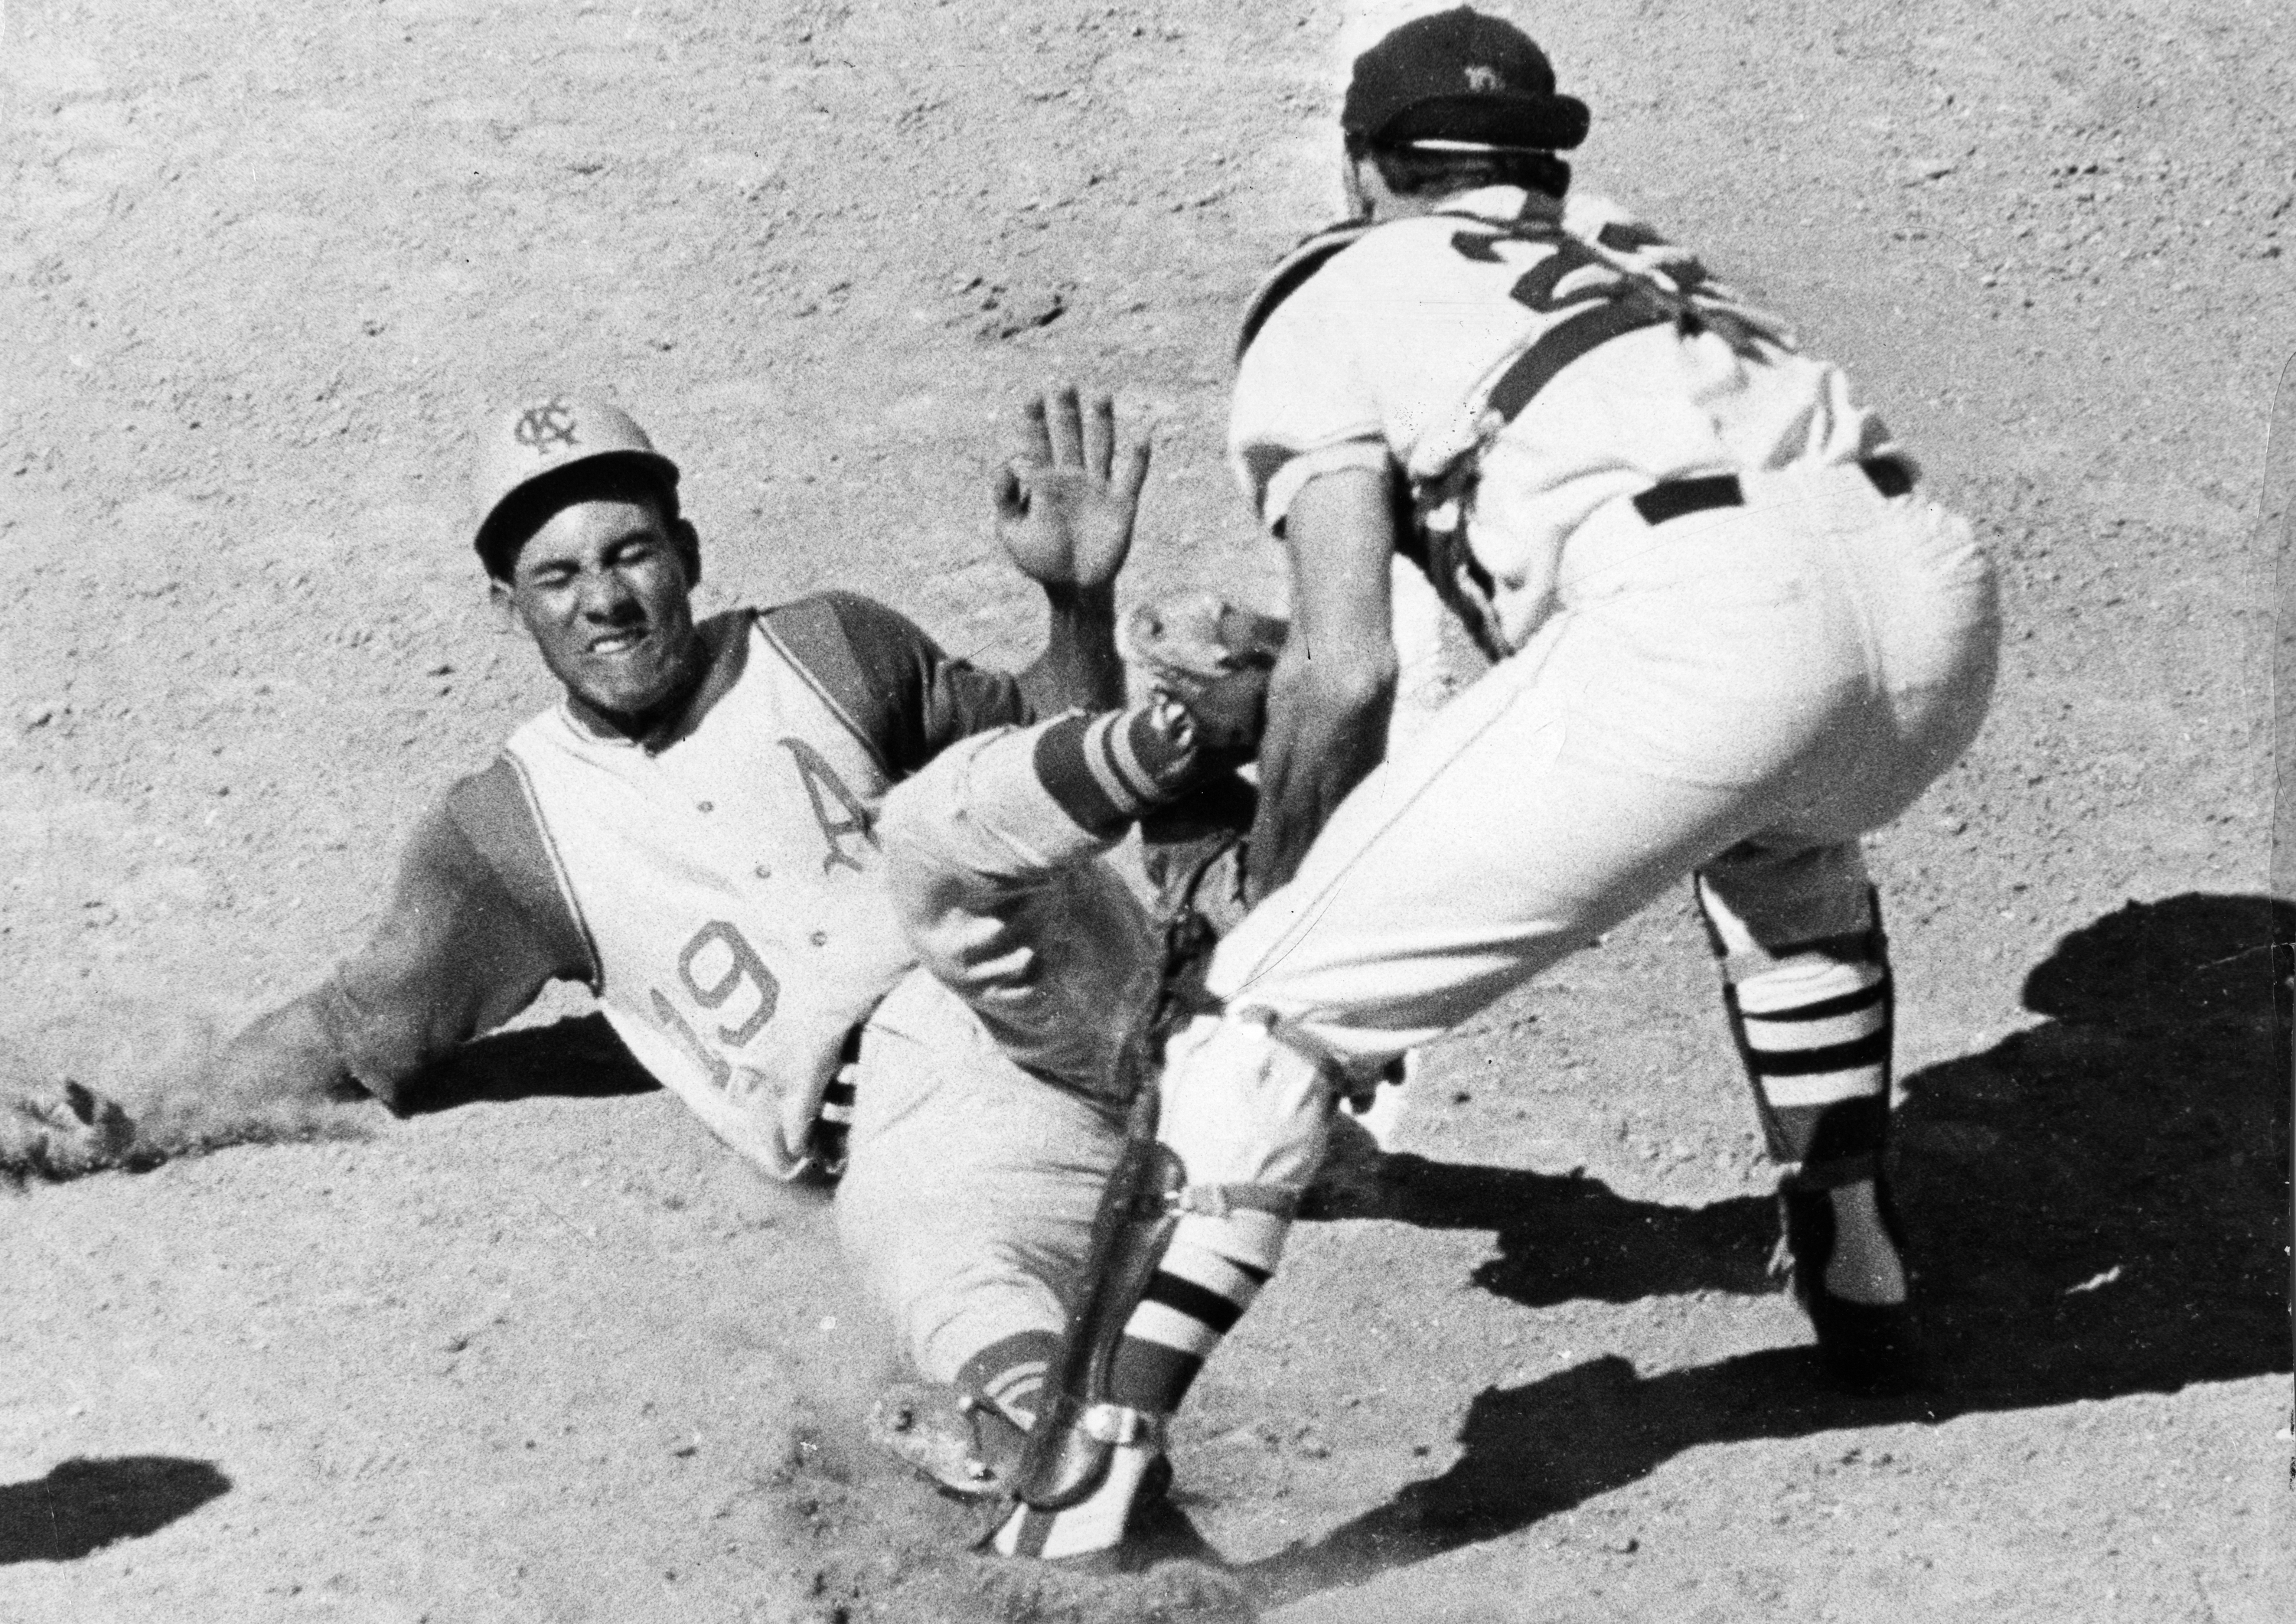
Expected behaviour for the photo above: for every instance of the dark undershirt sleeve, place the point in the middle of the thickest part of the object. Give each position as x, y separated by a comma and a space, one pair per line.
907, 697
474, 930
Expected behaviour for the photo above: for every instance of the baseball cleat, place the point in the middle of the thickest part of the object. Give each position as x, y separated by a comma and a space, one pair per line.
968, 1446
1871, 1349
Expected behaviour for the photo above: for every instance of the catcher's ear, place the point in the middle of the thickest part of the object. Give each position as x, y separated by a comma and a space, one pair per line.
688, 542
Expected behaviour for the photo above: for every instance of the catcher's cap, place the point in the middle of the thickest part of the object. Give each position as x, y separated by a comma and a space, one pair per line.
1460, 79
541, 438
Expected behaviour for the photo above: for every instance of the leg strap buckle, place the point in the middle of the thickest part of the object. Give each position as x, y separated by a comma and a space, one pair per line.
1220, 1200
1113, 1424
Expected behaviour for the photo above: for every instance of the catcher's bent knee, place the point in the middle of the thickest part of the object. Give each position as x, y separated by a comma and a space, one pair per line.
1246, 1099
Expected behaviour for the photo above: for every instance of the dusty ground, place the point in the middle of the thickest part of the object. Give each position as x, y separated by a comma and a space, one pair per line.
542, 1353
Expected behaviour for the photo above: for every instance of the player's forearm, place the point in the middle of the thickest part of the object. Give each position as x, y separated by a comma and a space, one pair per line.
1079, 667
1330, 695
1326, 730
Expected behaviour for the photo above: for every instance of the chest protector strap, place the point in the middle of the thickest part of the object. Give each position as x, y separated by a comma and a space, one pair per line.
1310, 254
1430, 519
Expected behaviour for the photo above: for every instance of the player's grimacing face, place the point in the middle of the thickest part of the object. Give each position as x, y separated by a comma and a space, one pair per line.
605, 590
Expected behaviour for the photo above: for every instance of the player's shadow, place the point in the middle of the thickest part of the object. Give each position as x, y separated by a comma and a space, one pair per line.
1566, 1237
82, 1505
575, 1058
2097, 1206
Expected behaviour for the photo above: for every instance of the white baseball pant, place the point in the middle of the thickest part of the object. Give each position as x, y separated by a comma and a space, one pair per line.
990, 1099
1739, 692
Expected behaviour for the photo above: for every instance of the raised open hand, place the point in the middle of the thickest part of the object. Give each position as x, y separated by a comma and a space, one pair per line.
1066, 495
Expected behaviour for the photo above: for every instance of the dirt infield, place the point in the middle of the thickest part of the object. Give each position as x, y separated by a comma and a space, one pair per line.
542, 1351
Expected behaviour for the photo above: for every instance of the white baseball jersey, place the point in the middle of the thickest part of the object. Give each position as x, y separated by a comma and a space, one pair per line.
728, 888
717, 885
1584, 356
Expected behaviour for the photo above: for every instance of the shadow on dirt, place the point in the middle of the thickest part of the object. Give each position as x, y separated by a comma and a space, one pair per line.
82, 1505
1566, 1237
577, 1058
2098, 1206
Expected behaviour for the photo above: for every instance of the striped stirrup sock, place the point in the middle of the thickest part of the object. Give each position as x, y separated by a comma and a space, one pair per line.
1210, 1275
1009, 1374
1106, 769
1814, 1030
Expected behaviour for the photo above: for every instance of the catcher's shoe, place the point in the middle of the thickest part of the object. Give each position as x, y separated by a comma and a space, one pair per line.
1157, 1531
1125, 1527
1210, 658
1869, 1348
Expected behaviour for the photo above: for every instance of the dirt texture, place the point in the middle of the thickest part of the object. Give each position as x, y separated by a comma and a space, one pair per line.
543, 1351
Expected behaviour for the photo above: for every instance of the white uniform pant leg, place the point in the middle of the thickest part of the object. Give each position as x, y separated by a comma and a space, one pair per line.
1809, 991
1796, 671
967, 1205
1518, 827
1008, 902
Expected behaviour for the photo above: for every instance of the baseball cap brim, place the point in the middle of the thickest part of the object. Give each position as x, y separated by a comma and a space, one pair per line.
517, 514
1547, 123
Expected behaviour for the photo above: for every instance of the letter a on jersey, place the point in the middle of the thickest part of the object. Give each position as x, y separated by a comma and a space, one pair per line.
819, 776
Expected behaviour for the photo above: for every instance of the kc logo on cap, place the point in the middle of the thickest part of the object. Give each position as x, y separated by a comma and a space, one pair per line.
545, 427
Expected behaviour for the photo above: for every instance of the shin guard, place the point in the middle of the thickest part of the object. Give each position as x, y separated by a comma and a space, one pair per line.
1173, 1267
1078, 1425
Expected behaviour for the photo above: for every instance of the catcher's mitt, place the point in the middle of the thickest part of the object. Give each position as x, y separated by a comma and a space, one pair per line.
1212, 657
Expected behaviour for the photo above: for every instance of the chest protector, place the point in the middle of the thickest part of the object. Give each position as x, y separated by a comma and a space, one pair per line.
728, 885
1583, 292
1429, 514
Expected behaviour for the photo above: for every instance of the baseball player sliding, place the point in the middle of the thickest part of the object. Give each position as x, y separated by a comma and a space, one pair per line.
1730, 636
691, 832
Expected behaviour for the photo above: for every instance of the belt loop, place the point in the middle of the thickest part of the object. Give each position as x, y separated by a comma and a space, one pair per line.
1890, 475
1679, 498
1672, 499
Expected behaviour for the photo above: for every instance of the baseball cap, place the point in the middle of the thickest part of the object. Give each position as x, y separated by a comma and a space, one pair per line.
1460, 76
521, 452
